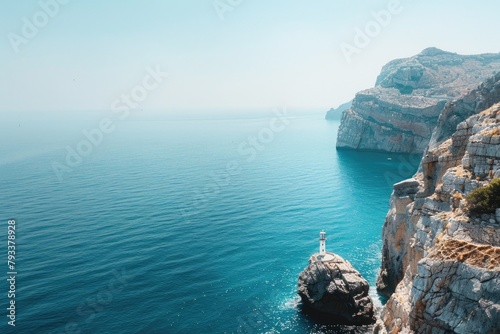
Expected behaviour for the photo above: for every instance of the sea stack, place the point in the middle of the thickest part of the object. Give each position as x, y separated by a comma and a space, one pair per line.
333, 290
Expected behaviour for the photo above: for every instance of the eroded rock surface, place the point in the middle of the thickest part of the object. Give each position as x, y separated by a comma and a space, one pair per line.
440, 264
401, 111
336, 290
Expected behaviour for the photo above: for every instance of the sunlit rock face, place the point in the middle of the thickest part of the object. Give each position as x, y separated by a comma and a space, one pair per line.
401, 111
330, 287
440, 263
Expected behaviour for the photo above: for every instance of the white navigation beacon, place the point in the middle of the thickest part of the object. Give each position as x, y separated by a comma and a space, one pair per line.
322, 243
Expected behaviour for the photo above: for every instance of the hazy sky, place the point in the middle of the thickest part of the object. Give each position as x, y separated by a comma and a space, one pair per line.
247, 54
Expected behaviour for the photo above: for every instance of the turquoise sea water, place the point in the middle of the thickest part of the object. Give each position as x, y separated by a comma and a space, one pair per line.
181, 226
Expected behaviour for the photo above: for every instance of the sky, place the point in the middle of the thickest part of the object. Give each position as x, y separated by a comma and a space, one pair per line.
213, 55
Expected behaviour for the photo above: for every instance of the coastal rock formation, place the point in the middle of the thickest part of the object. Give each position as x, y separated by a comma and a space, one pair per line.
336, 114
440, 262
400, 112
406, 205
479, 99
334, 289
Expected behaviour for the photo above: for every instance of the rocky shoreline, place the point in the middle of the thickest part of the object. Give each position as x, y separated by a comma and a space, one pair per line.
440, 259
440, 262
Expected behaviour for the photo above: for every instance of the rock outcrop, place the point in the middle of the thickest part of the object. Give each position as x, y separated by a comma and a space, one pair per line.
333, 289
400, 112
442, 155
440, 263
479, 99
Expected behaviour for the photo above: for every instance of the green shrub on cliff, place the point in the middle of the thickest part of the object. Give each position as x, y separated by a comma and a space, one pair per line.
485, 199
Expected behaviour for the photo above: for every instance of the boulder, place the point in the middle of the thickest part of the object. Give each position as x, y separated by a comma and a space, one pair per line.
331, 288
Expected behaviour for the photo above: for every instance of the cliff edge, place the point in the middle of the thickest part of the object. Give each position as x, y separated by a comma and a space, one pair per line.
440, 259
400, 112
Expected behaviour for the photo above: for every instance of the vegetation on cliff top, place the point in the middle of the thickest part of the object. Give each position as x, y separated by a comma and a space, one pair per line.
485, 199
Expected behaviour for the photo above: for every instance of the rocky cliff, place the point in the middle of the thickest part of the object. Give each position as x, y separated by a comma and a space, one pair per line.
440, 262
400, 112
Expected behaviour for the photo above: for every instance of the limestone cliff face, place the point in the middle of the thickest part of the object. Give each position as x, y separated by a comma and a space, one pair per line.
481, 98
442, 263
412, 198
400, 112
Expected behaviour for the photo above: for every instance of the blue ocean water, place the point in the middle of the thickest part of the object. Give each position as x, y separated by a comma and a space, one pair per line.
184, 226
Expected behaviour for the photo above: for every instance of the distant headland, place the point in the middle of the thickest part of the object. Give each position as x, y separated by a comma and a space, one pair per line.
400, 112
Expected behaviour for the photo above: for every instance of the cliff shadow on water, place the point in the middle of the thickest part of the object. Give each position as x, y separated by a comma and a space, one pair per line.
371, 171
367, 180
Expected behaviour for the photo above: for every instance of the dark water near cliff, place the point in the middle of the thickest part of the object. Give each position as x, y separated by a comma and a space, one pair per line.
140, 238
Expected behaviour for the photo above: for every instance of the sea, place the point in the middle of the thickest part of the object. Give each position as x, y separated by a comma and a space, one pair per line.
181, 224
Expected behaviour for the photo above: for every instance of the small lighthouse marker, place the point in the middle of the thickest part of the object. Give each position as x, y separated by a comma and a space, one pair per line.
322, 243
